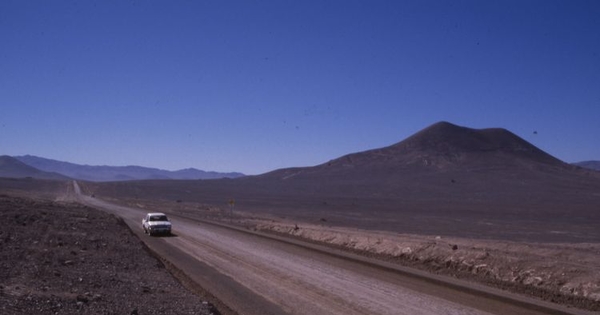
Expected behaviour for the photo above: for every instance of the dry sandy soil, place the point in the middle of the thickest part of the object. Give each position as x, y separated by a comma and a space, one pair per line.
61, 258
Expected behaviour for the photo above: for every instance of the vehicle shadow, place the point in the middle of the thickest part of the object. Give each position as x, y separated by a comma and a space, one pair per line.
166, 235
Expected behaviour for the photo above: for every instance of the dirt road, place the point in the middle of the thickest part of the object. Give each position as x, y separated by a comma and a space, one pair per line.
256, 275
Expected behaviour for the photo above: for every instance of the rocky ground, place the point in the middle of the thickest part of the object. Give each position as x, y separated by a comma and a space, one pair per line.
60, 258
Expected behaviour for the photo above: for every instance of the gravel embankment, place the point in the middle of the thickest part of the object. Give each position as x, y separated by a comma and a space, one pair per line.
60, 258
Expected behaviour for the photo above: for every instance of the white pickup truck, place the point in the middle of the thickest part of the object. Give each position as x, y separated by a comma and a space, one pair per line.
156, 223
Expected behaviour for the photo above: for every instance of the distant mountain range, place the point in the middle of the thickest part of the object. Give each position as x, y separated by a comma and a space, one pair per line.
38, 167
594, 165
11, 167
442, 148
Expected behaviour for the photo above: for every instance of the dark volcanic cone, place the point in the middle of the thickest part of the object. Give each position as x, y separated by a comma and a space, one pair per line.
444, 143
442, 147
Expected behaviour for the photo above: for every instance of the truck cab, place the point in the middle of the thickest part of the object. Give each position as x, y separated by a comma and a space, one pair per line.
156, 223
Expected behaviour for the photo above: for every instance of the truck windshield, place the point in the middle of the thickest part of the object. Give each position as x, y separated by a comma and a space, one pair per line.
158, 218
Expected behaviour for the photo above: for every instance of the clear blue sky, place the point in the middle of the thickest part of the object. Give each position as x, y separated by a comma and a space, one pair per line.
253, 86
